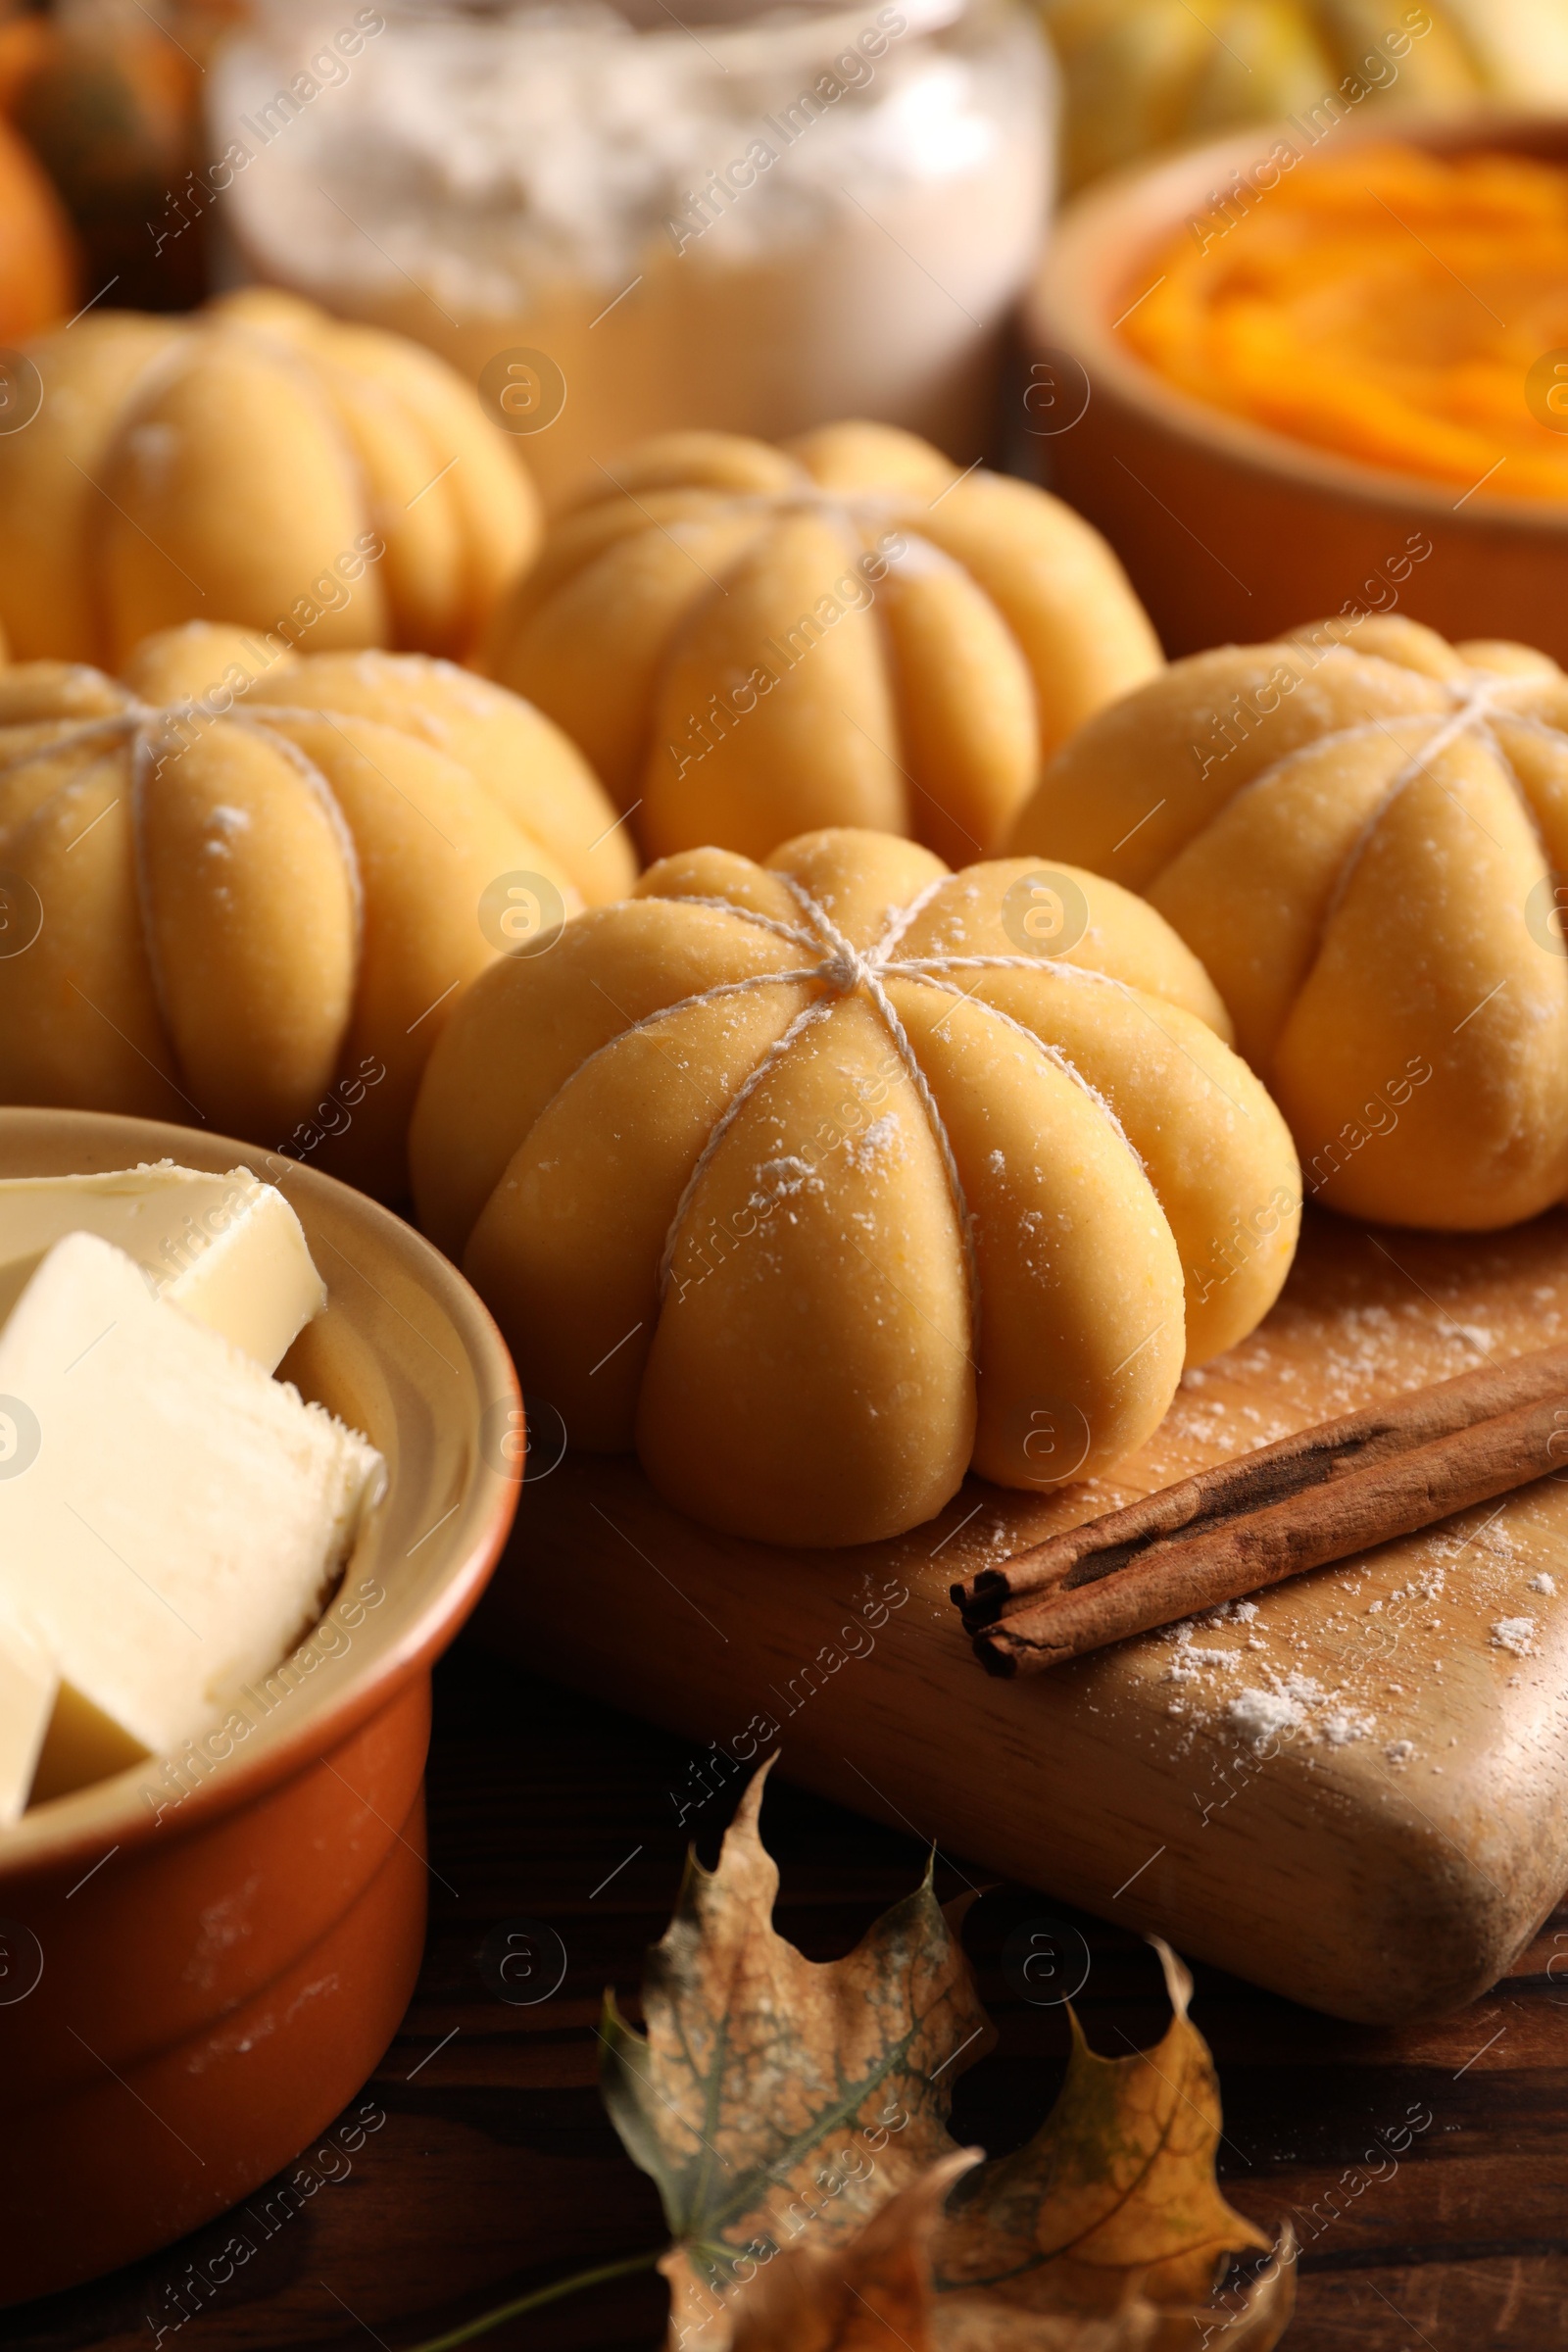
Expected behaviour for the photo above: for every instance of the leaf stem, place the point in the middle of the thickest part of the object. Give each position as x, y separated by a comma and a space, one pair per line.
554, 2293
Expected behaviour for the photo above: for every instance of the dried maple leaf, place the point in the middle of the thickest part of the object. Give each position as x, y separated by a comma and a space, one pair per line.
866, 2296
874, 2292
979, 2323
773, 2094
1118, 2183
793, 2116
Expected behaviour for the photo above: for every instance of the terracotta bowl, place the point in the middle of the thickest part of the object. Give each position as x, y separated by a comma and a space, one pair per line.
203, 1958
1230, 531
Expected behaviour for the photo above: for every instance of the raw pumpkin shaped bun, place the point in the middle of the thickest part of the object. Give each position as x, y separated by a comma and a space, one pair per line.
1361, 831
252, 888
244, 463
809, 1183
747, 642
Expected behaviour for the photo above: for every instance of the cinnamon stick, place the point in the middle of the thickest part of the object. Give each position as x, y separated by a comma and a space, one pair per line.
1323, 1495
1310, 1459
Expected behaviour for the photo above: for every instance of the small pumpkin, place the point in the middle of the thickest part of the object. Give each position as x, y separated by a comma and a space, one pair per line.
261, 464
243, 882
111, 106
822, 1181
27, 42
747, 642
39, 265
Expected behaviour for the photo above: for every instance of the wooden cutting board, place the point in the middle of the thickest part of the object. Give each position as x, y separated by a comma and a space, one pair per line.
1354, 1790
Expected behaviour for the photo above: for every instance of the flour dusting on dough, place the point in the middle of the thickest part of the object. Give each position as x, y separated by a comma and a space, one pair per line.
880, 1145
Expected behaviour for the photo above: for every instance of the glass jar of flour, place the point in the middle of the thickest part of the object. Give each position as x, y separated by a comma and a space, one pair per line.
626, 220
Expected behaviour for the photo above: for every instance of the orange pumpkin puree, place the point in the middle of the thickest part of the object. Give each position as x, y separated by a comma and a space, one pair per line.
1399, 308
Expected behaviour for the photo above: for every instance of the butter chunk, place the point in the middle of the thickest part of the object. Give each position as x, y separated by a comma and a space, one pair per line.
52, 1739
80, 1747
228, 1250
27, 1687
171, 1518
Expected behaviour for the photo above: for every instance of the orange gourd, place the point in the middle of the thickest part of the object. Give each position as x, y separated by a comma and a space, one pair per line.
37, 250
110, 110
25, 44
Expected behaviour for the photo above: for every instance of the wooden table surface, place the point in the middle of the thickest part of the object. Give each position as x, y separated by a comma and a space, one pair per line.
486, 2164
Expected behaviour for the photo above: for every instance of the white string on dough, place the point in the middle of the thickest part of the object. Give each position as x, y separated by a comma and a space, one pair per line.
844, 969
1476, 698
1475, 701
1472, 709
731, 1112
140, 725
74, 739
847, 969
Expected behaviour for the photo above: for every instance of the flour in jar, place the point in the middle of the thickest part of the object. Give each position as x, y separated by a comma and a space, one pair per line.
793, 215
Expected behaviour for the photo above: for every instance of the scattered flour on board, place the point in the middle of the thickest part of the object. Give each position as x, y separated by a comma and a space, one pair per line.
1293, 1704
1297, 1703
1261, 1715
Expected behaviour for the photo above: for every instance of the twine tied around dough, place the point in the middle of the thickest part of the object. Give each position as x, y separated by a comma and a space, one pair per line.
145, 728
846, 970
1475, 699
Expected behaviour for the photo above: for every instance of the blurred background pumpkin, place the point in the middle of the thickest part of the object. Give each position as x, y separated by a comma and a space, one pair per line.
38, 258
106, 95
26, 40
1145, 75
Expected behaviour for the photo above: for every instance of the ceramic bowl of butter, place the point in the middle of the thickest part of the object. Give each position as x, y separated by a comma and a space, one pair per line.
1321, 365
221, 1596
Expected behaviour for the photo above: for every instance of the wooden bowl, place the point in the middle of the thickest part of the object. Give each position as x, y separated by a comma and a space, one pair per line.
202, 1959
1232, 532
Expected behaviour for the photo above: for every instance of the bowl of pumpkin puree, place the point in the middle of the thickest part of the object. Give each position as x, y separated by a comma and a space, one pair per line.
1321, 366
